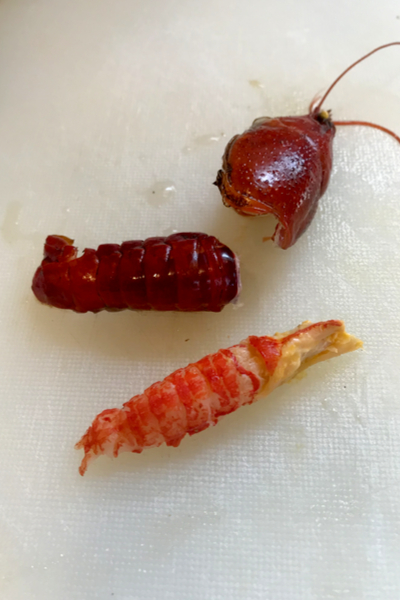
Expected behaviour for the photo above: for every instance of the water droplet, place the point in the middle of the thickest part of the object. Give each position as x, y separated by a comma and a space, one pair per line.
161, 192
169, 231
203, 140
237, 305
328, 406
10, 228
207, 140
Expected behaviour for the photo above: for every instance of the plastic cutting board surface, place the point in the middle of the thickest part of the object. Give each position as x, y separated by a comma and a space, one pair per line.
113, 120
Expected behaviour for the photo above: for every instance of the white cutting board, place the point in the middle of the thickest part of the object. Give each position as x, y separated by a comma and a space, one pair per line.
102, 103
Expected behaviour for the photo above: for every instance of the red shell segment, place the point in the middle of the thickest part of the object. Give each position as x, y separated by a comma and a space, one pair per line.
193, 392
270, 350
185, 272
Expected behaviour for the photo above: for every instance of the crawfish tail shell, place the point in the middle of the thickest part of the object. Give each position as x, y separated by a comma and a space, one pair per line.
185, 272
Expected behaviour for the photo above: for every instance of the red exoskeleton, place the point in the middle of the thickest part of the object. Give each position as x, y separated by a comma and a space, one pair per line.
282, 166
197, 396
182, 272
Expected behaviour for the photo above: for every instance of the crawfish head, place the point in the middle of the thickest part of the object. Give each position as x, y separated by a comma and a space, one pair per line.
280, 166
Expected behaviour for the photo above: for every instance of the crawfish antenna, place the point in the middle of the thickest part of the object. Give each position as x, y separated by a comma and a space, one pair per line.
330, 88
315, 108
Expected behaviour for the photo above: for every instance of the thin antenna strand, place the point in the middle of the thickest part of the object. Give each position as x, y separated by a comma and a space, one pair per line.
367, 124
330, 88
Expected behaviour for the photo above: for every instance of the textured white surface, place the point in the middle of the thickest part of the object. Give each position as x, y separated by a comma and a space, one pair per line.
103, 102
